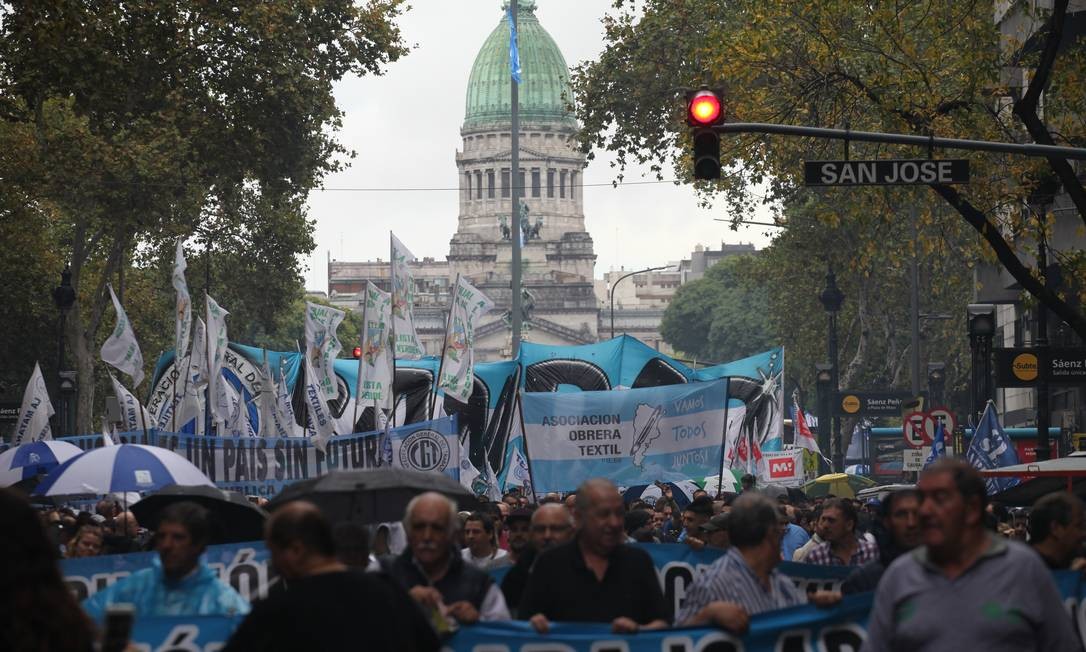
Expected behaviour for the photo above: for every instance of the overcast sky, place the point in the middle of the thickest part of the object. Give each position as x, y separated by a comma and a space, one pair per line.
633, 226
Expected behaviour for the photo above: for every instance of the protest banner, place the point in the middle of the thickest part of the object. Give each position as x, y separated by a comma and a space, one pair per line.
630, 437
247, 567
262, 466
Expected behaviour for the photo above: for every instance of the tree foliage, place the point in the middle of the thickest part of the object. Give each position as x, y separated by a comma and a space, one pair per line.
915, 66
723, 315
137, 123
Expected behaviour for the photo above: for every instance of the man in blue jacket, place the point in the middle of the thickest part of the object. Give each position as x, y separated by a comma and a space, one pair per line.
176, 584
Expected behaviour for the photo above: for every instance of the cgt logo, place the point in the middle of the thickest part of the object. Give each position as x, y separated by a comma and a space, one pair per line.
782, 468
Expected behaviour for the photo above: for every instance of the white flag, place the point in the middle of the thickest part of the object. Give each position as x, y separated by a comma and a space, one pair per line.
403, 303
121, 349
519, 475
275, 420
458, 362
320, 425
183, 311
469, 475
284, 407
33, 423
216, 353
322, 346
133, 416
198, 359
375, 364
108, 434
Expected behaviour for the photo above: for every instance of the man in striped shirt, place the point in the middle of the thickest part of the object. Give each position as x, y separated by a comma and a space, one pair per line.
745, 581
842, 547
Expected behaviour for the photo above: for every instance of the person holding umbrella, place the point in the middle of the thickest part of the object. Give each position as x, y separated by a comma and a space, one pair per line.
177, 584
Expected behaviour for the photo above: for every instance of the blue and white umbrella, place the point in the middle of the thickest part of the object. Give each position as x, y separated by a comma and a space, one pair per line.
34, 458
127, 467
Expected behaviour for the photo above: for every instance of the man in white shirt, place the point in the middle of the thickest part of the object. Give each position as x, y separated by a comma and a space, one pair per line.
481, 551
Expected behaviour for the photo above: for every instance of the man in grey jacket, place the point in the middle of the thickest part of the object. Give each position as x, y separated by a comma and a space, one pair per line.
966, 588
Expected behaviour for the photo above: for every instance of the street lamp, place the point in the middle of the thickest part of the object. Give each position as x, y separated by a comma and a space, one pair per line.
64, 298
831, 299
981, 320
936, 383
611, 291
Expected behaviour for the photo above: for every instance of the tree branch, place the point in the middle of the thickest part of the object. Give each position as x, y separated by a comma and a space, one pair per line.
1009, 259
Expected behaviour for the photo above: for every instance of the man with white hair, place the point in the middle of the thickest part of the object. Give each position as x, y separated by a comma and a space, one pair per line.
432, 571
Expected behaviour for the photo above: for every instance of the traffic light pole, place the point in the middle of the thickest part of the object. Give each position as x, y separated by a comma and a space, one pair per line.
514, 181
1027, 149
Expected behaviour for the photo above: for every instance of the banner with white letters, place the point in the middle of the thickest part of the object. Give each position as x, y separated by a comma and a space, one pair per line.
631, 437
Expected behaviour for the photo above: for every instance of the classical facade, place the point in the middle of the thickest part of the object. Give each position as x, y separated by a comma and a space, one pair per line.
557, 260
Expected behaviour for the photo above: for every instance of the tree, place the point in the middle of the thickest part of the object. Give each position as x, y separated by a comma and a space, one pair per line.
722, 316
915, 66
141, 122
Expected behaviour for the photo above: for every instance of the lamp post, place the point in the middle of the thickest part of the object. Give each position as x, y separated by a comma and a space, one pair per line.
981, 320
64, 298
831, 299
611, 291
824, 380
936, 383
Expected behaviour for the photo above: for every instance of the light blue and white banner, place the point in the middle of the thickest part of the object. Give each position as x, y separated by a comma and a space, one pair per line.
630, 437
262, 466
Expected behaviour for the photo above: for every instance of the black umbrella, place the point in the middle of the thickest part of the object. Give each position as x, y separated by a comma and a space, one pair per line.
373, 496
233, 518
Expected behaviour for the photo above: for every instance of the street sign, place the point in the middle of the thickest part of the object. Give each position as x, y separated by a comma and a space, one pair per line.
895, 172
936, 415
849, 403
1020, 367
913, 459
912, 428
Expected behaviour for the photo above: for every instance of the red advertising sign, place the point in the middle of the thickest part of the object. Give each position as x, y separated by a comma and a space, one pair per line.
782, 467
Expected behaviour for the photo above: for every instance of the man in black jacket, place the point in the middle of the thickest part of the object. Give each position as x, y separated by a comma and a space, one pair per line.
327, 605
551, 525
900, 533
595, 577
433, 572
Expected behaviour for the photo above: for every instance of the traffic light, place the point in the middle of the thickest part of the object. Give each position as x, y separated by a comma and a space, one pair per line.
357, 352
704, 110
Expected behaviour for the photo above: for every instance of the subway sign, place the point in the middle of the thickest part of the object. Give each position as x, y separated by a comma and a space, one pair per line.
849, 403
896, 172
1020, 367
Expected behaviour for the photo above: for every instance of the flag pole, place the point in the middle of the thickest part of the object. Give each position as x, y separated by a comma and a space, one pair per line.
514, 177
362, 354
519, 407
444, 346
392, 325
723, 440
207, 354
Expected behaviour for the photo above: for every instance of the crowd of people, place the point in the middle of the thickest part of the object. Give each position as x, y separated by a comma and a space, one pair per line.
938, 549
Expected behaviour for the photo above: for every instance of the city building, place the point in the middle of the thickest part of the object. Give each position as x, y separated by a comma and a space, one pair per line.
1016, 324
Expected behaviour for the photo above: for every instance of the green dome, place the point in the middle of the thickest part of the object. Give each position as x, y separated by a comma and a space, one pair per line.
544, 88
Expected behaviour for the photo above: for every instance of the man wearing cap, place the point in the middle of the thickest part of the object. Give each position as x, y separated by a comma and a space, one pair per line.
716, 532
518, 528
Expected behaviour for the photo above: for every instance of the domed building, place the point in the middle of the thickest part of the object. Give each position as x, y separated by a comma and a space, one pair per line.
557, 257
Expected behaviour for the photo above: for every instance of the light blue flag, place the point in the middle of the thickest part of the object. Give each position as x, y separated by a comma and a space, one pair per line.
938, 444
991, 448
514, 51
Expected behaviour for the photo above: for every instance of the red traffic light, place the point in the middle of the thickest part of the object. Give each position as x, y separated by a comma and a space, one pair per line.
357, 352
704, 108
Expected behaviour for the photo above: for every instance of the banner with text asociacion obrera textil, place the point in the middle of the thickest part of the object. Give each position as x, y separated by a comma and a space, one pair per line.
631, 437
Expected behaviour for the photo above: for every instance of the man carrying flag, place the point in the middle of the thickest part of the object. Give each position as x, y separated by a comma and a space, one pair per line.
990, 448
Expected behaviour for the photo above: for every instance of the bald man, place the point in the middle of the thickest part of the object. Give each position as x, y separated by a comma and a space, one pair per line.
551, 525
326, 605
595, 577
